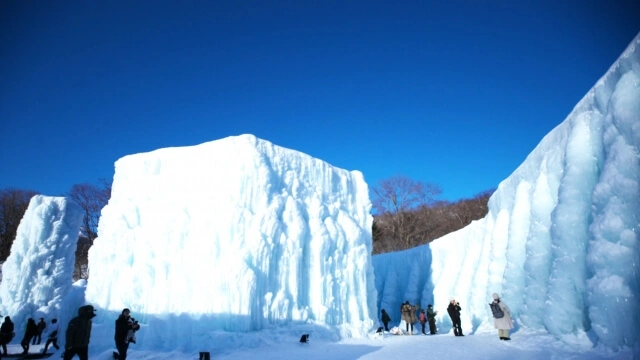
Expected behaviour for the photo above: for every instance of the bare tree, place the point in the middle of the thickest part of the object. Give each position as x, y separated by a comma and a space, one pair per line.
396, 202
92, 199
13, 205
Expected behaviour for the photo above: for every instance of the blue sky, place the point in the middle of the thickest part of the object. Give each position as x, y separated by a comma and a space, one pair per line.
456, 93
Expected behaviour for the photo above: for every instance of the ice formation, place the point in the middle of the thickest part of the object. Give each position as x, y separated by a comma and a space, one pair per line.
560, 242
238, 233
38, 272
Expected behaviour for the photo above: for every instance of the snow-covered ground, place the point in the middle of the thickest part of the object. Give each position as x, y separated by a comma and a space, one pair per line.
523, 346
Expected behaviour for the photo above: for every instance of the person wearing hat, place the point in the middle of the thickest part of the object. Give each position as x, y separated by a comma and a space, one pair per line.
79, 333
454, 313
431, 317
504, 323
123, 326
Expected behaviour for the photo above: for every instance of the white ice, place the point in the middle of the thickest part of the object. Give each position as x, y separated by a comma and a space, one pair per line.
560, 243
37, 275
238, 246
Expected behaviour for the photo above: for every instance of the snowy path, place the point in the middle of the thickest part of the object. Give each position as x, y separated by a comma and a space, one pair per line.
477, 347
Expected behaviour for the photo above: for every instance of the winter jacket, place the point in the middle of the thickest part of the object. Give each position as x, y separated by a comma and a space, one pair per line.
30, 331
41, 326
409, 314
53, 331
385, 317
6, 331
122, 327
454, 312
79, 329
505, 322
430, 313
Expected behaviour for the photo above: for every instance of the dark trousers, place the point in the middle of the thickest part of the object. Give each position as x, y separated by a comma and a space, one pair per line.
82, 352
411, 327
122, 350
37, 338
386, 326
25, 344
4, 349
432, 325
422, 324
457, 327
51, 341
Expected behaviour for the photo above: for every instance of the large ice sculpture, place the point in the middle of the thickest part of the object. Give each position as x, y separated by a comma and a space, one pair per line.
560, 242
38, 272
239, 232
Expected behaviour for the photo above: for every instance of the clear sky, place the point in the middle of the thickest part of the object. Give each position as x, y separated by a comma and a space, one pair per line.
451, 92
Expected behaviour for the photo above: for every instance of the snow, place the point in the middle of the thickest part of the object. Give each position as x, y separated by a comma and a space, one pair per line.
239, 246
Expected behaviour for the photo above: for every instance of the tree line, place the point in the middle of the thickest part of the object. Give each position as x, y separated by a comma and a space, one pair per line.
406, 214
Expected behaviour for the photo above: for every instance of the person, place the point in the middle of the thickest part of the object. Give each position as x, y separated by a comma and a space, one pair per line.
386, 319
123, 326
505, 323
409, 315
6, 333
423, 320
454, 313
53, 336
29, 333
40, 328
431, 316
79, 334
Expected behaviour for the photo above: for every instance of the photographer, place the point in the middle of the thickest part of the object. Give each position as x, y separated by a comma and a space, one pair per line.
124, 325
454, 313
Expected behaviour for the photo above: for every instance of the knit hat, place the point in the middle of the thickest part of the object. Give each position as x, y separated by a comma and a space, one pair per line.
430, 305
495, 296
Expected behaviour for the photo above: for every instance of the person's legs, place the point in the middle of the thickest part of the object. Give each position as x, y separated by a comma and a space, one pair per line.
422, 324
122, 350
55, 344
386, 326
46, 346
83, 353
69, 353
4, 349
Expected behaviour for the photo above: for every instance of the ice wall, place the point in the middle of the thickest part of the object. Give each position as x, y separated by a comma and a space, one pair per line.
560, 242
238, 233
38, 273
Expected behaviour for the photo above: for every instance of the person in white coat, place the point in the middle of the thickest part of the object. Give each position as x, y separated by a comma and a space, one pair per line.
504, 323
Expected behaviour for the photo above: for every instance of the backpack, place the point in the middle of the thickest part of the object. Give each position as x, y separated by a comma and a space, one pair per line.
496, 310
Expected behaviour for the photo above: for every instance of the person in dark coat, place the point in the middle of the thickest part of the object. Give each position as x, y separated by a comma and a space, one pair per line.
40, 326
6, 333
431, 317
386, 319
29, 333
79, 333
123, 326
53, 336
454, 313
